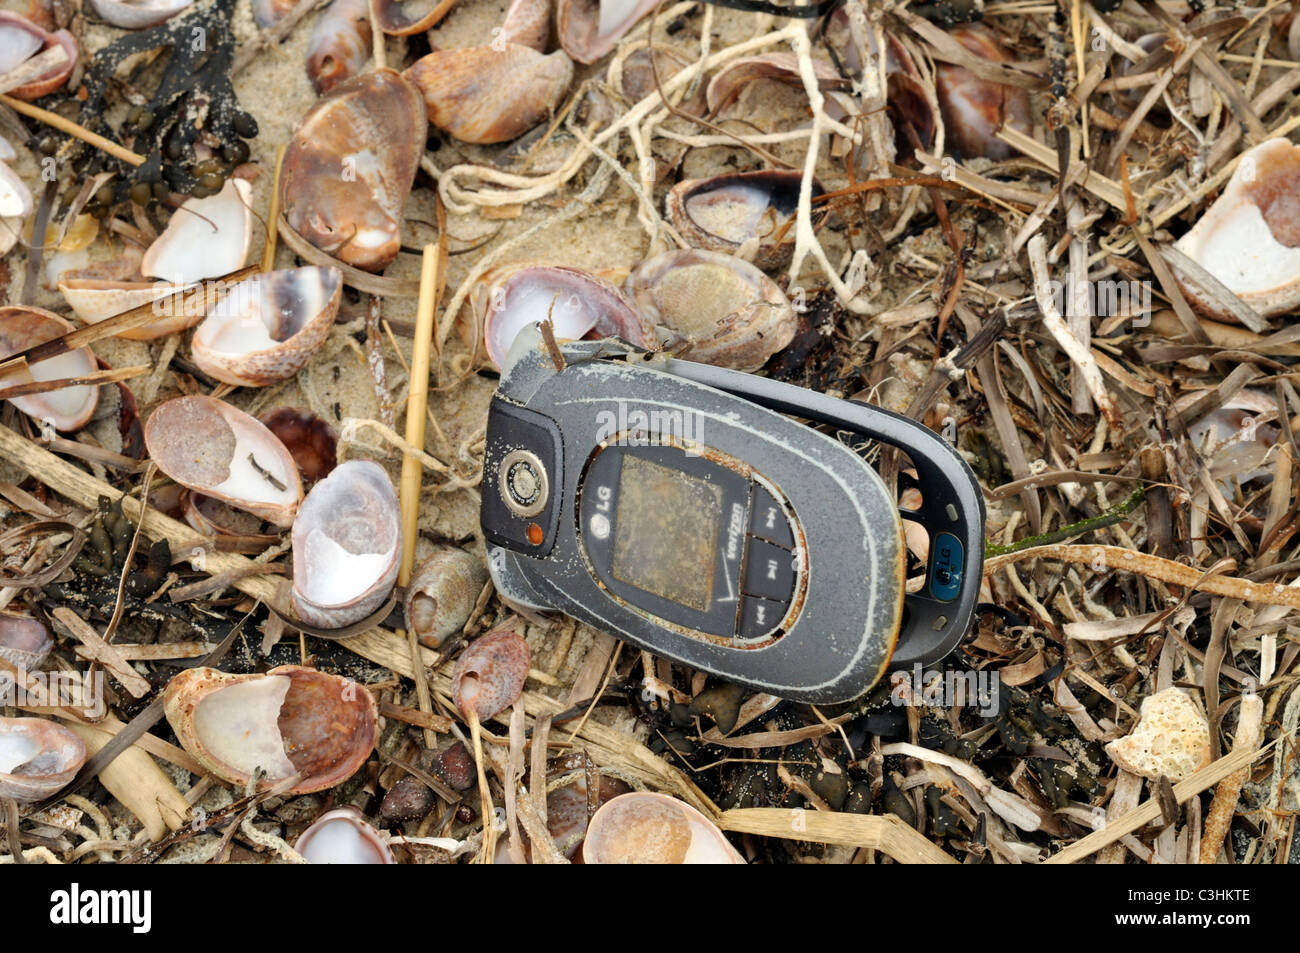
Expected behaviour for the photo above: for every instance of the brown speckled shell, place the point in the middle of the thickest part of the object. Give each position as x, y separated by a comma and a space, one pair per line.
329, 724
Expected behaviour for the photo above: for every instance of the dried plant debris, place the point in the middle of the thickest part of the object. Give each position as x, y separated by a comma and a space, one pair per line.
1065, 237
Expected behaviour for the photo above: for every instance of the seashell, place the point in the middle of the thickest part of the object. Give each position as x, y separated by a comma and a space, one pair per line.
286, 721
648, 828
726, 86
270, 12
405, 17
67, 409
724, 310
215, 449
974, 109
38, 758
20, 40
267, 328
442, 594
311, 441
98, 299
489, 675
1249, 239
566, 807
590, 28
24, 642
212, 517
343, 836
349, 168
486, 94
138, 14
340, 44
15, 197
526, 23
206, 238
579, 304
1171, 738
722, 212
638, 76
347, 543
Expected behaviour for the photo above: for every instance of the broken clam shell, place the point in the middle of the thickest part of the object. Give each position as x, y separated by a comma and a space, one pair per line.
311, 441
69, 408
37, 758
220, 451
343, 836
648, 828
579, 304
728, 83
490, 674
206, 238
349, 168
488, 94
347, 543
97, 299
590, 28
24, 641
723, 212
268, 327
1249, 239
724, 310
20, 40
290, 720
442, 594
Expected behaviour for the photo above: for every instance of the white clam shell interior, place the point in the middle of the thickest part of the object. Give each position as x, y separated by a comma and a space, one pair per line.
237, 725
342, 837
266, 310
16, 749
206, 238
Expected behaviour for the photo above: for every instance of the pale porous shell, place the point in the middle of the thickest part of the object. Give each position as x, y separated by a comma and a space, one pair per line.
349, 168
347, 545
577, 303
343, 836
205, 238
67, 409
1249, 239
37, 758
486, 94
1172, 738
590, 28
974, 109
720, 310
723, 212
220, 451
648, 828
267, 328
442, 594
289, 720
138, 14
340, 44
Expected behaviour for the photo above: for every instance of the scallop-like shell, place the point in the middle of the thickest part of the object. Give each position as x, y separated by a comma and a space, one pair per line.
486, 94
724, 310
340, 44
138, 14
98, 299
38, 758
206, 238
1249, 239
442, 594
579, 305
267, 328
973, 108
24, 641
220, 451
343, 836
722, 212
67, 409
311, 441
590, 28
648, 828
489, 675
347, 544
349, 168
289, 720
